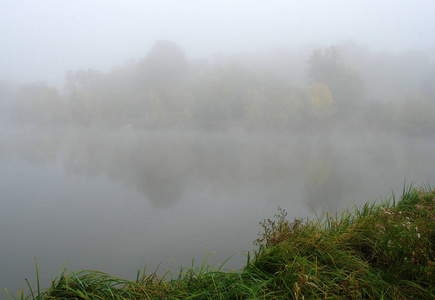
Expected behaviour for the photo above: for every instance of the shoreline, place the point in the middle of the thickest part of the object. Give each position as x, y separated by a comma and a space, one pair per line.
379, 250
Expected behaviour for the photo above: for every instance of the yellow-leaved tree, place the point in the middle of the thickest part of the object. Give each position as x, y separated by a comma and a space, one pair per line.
321, 102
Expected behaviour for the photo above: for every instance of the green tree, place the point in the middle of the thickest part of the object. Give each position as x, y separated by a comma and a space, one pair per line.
164, 66
85, 96
327, 66
38, 103
275, 106
220, 95
161, 76
416, 115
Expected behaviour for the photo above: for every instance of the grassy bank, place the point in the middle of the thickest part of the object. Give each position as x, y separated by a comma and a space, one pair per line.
383, 250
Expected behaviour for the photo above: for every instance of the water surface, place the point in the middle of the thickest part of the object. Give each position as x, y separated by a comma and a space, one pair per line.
117, 200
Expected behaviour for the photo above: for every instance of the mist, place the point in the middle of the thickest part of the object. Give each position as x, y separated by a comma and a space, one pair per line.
41, 41
141, 133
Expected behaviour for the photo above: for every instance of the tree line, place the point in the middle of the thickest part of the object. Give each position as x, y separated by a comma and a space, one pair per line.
282, 89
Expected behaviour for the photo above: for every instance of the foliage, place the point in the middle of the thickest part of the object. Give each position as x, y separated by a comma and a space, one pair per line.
165, 65
164, 89
37, 103
416, 115
322, 103
275, 106
378, 251
326, 66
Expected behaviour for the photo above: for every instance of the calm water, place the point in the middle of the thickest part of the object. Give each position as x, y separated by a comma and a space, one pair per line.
116, 201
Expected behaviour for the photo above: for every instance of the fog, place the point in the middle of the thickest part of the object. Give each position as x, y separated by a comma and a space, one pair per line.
141, 133
41, 41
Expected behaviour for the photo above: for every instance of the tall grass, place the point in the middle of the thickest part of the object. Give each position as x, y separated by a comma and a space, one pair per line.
381, 250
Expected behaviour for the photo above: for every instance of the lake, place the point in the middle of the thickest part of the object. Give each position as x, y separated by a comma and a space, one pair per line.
119, 200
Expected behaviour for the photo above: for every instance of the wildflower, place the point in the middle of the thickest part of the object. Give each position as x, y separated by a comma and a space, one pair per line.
418, 234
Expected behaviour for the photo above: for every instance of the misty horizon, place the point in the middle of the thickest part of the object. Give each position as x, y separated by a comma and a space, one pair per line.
42, 41
303, 52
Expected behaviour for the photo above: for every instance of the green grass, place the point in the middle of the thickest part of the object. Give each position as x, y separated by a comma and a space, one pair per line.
381, 250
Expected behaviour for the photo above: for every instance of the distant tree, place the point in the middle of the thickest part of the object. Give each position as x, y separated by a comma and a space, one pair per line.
6, 96
6, 90
416, 115
275, 106
90, 79
85, 93
320, 96
427, 86
327, 66
413, 67
321, 102
163, 72
37, 103
164, 66
253, 105
221, 93
87, 108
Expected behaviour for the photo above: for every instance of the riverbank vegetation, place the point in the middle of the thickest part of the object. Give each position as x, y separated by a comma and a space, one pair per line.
382, 250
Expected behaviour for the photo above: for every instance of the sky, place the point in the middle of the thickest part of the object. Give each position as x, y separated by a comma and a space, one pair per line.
42, 40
